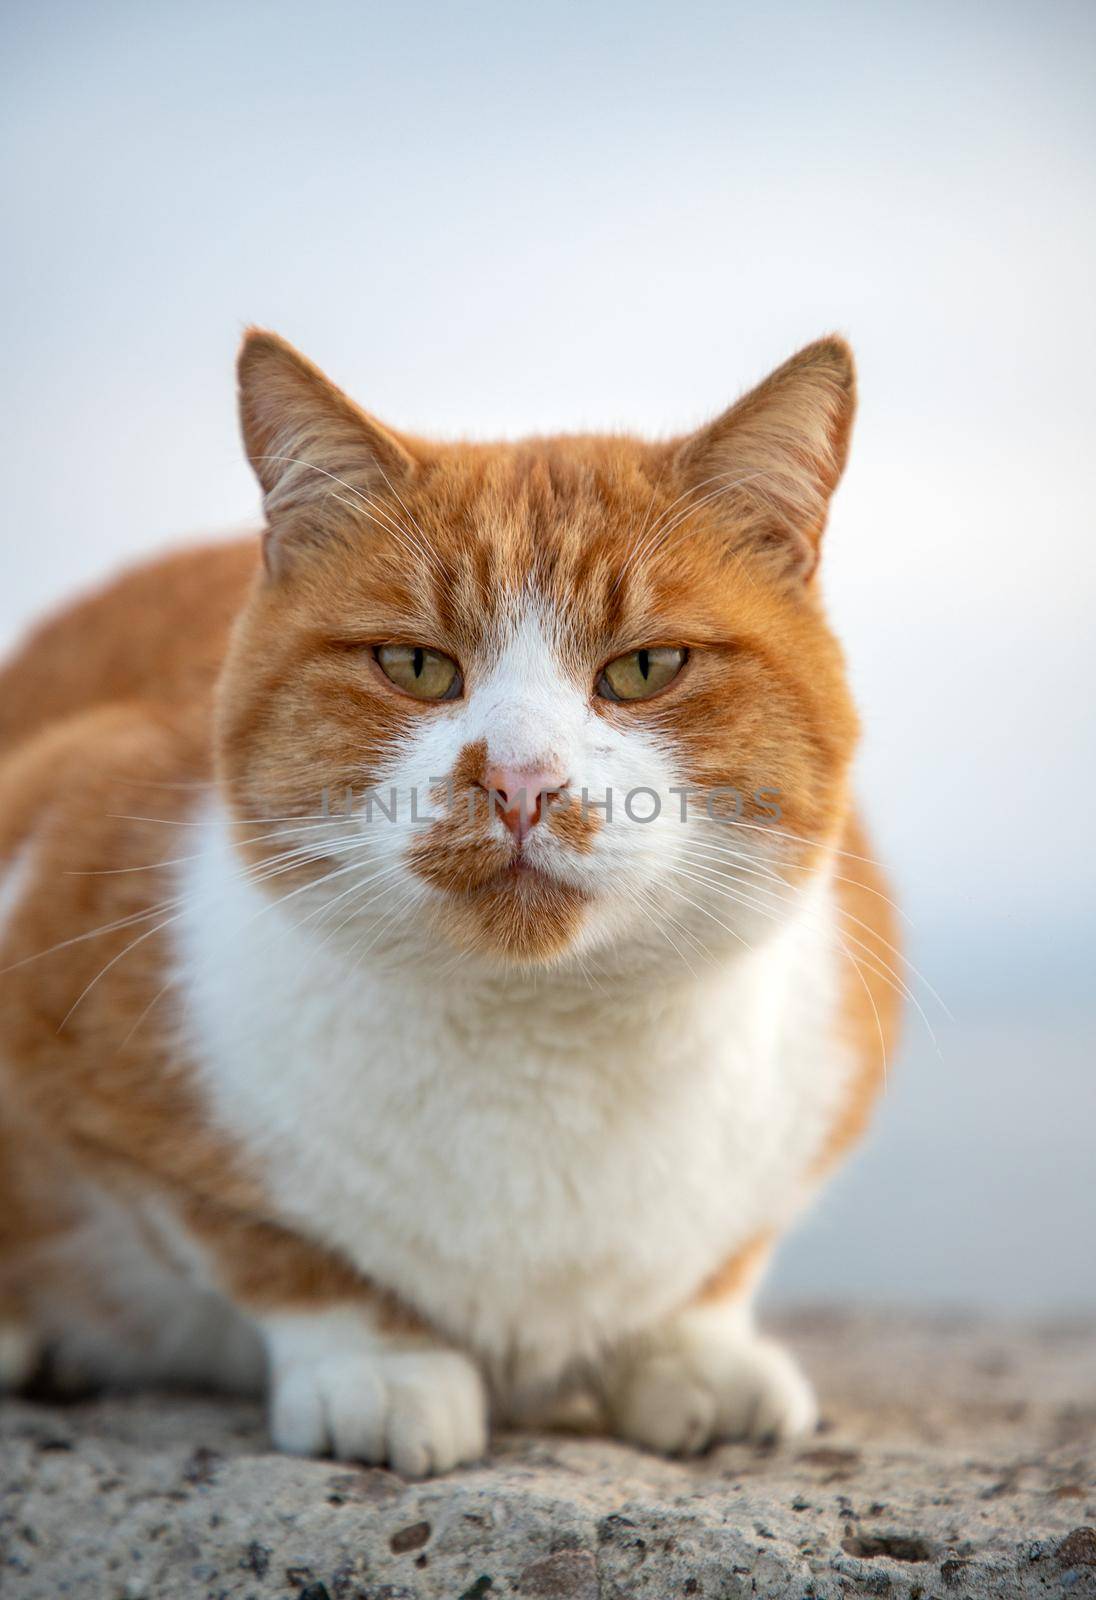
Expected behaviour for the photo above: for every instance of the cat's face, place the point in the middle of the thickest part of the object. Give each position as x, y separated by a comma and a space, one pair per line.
568, 698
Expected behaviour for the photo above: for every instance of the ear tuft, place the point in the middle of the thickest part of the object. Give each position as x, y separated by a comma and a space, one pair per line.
304, 437
775, 458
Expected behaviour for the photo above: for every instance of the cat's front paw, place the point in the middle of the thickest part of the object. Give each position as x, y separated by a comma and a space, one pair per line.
417, 1411
19, 1353
690, 1390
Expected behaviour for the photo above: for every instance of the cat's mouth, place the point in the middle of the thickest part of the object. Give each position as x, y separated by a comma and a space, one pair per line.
522, 868
517, 876
521, 876
466, 863
520, 912
499, 897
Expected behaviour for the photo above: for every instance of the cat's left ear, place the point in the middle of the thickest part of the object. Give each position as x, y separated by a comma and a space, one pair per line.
315, 453
774, 459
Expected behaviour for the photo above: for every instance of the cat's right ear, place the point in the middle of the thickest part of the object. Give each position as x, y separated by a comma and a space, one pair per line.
777, 455
315, 453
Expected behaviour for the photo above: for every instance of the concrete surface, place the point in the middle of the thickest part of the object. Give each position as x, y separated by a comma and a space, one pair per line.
956, 1458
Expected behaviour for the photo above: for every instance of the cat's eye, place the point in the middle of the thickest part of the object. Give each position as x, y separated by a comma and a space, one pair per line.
425, 674
641, 673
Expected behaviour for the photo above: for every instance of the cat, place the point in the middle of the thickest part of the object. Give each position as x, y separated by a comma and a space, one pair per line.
439, 952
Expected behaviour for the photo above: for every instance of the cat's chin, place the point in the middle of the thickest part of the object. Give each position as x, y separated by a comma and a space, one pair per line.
521, 915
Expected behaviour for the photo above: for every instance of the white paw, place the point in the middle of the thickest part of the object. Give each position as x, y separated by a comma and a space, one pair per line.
683, 1395
18, 1354
418, 1411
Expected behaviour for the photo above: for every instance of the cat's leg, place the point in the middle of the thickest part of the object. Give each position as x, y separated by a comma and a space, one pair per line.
19, 1350
352, 1373
20, 1346
706, 1373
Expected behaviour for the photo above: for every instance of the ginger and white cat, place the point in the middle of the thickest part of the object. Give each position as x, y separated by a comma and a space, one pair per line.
440, 957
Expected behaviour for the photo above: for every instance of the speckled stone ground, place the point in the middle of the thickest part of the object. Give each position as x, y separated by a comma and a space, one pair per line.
957, 1458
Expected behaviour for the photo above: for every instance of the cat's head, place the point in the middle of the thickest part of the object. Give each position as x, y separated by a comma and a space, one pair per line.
567, 698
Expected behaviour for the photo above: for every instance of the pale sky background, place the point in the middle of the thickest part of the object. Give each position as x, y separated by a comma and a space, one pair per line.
494, 218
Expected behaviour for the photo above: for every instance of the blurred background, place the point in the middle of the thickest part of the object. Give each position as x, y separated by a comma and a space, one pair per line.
493, 218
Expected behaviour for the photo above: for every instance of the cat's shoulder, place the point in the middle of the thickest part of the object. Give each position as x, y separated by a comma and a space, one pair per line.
155, 633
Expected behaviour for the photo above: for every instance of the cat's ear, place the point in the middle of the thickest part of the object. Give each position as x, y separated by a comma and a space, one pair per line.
315, 453
774, 459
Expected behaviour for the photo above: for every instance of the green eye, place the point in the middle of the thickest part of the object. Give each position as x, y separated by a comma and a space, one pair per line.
641, 673
425, 674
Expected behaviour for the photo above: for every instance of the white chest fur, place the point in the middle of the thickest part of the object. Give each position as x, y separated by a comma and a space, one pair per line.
539, 1168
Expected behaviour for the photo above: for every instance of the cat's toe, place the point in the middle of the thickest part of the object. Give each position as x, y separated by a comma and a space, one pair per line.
663, 1406
419, 1412
19, 1353
679, 1400
762, 1393
437, 1413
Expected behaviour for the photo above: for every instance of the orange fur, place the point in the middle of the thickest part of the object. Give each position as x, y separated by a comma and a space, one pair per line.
737, 1275
872, 999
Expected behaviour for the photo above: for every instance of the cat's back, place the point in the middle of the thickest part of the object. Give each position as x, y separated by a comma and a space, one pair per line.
155, 635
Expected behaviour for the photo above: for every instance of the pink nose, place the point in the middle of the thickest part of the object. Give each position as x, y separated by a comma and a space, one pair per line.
517, 793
